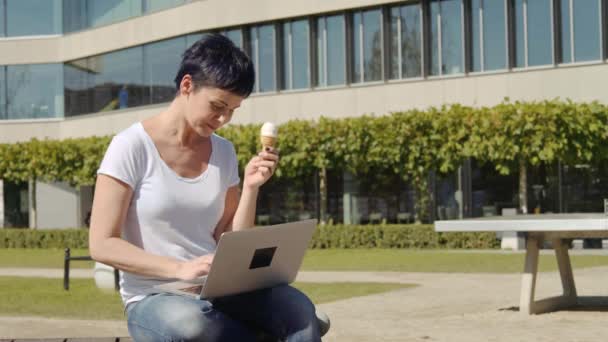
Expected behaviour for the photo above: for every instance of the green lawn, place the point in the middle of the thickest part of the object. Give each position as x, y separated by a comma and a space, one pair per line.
46, 297
355, 260
396, 260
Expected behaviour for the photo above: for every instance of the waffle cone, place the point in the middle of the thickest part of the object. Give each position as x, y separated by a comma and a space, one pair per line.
268, 141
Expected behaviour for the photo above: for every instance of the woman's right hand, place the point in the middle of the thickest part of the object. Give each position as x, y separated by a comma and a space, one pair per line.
195, 268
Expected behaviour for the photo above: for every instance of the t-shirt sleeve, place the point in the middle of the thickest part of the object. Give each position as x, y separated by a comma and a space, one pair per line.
121, 161
233, 178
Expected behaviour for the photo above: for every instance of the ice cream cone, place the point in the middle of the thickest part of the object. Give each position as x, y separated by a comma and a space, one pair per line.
268, 135
268, 141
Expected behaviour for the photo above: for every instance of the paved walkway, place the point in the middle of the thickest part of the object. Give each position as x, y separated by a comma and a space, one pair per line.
451, 307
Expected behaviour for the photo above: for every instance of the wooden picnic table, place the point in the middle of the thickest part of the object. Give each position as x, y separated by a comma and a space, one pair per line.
560, 229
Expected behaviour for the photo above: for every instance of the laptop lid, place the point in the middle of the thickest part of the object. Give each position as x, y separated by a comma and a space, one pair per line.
258, 258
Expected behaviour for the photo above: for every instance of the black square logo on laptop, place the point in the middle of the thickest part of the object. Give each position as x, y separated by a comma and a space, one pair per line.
262, 257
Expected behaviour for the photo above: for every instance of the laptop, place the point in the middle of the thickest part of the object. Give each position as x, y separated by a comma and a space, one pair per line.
249, 260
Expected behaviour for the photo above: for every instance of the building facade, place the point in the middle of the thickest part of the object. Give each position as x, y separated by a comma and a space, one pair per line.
75, 68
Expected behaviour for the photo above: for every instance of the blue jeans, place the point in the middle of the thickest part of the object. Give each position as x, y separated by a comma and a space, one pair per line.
282, 311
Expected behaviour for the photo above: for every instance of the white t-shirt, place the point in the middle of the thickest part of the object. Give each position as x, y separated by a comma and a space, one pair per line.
169, 215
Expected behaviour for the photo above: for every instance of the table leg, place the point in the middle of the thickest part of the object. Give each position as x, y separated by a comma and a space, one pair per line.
565, 271
528, 283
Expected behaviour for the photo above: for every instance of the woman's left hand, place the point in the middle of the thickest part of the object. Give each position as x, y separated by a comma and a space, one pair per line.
260, 168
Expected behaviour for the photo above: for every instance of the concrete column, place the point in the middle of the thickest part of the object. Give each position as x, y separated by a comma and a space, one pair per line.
58, 206
349, 200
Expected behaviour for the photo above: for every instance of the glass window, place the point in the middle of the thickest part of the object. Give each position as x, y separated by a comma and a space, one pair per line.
78, 80
539, 27
357, 68
2, 23
488, 25
33, 17
74, 15
110, 11
34, 91
434, 39
193, 38
296, 66
582, 19
158, 5
263, 38
118, 80
566, 48
235, 35
162, 60
494, 35
2, 92
367, 46
520, 36
476, 35
321, 52
586, 22
372, 45
446, 37
336, 54
331, 54
406, 42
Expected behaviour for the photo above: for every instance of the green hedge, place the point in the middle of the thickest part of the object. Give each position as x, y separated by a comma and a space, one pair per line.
398, 236
326, 236
47, 238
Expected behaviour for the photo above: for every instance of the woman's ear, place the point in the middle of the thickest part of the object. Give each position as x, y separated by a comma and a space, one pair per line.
186, 86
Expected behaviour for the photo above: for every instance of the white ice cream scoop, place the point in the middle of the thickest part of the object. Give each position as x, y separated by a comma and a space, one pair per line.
269, 130
268, 135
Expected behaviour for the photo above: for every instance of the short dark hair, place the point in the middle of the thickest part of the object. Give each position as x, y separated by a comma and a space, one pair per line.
215, 61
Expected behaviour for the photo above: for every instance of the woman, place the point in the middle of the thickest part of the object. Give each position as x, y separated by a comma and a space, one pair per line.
167, 189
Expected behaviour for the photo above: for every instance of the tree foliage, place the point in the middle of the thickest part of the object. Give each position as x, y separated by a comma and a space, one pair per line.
411, 144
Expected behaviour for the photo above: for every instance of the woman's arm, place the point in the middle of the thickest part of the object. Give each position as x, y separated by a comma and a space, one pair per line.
239, 213
110, 206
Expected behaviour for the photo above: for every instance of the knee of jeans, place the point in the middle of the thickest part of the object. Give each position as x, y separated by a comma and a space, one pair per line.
301, 309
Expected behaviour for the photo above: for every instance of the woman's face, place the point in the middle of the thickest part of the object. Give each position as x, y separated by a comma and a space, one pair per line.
208, 109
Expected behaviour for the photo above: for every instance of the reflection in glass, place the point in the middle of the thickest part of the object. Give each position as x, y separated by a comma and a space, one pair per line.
296, 66
488, 23
118, 80
300, 37
566, 48
74, 15
2, 24
372, 45
158, 5
110, 11
494, 35
451, 37
235, 36
446, 22
476, 35
586, 16
434, 39
321, 52
520, 39
193, 38
539, 29
331, 55
162, 60
33, 17
2, 92
356, 65
34, 91
336, 56
78, 81
263, 45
